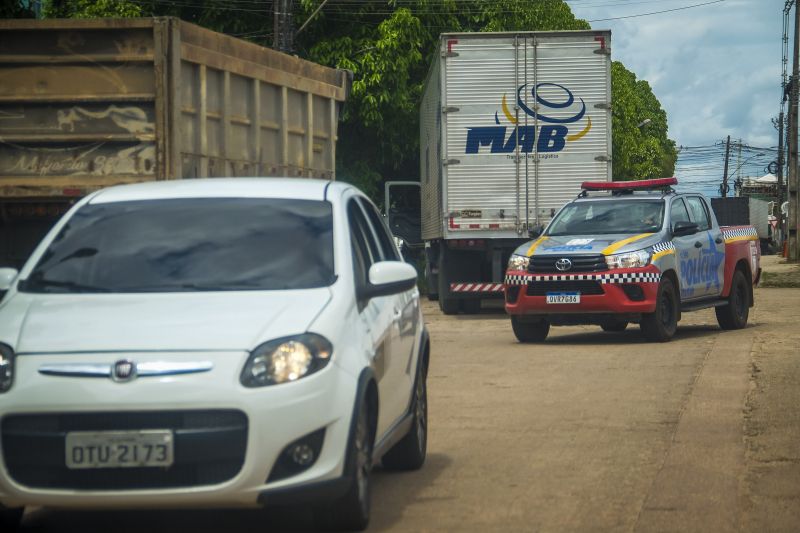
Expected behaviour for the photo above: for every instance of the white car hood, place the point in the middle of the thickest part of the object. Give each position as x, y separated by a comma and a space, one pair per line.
145, 322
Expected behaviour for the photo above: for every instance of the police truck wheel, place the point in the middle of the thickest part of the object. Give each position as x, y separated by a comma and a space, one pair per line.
530, 329
661, 324
735, 314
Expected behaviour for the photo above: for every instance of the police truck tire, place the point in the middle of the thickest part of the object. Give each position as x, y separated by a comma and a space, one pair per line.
661, 324
530, 329
734, 315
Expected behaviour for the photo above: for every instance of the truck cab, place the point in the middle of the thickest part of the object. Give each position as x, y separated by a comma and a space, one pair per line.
632, 252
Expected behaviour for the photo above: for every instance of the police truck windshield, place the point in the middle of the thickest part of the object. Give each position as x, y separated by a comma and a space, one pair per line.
605, 217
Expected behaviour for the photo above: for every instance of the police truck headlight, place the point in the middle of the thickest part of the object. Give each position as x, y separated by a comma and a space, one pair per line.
637, 259
6, 368
519, 262
285, 360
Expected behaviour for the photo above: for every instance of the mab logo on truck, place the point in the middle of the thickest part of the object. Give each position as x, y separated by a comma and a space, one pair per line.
553, 102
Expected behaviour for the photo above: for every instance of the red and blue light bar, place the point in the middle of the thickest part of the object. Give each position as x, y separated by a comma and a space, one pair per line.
635, 185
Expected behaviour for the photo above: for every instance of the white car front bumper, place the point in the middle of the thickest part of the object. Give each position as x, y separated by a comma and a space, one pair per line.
275, 416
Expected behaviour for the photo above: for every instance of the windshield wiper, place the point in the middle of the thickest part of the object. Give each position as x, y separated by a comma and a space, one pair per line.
40, 282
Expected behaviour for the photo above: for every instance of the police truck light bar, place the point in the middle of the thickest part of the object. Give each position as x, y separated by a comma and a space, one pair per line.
636, 185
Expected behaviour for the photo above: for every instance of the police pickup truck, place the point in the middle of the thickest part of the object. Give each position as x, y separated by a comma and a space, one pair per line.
632, 252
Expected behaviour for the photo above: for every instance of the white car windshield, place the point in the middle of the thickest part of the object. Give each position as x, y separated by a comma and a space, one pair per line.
196, 244
608, 217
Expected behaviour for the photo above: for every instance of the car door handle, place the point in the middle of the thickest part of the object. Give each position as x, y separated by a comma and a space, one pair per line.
698, 244
718, 240
397, 314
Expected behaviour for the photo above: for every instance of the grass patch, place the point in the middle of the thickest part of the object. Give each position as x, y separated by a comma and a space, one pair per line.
781, 280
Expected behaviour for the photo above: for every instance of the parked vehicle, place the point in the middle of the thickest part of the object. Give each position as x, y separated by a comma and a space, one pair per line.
229, 342
86, 104
632, 251
510, 124
747, 211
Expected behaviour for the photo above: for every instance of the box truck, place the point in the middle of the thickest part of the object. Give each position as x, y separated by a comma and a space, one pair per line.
511, 124
86, 104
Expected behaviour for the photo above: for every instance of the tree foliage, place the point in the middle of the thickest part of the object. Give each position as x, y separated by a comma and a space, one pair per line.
388, 45
641, 150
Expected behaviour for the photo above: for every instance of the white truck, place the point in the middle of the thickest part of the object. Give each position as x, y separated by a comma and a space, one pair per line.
510, 125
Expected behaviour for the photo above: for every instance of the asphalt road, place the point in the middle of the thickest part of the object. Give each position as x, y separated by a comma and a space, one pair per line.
590, 431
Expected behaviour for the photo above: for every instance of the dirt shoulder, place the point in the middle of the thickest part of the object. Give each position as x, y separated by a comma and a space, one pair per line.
779, 273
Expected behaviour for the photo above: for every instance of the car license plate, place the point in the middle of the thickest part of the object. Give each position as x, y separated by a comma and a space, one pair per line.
563, 297
119, 449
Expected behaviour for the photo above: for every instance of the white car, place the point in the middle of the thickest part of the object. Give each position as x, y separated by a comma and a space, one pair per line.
220, 342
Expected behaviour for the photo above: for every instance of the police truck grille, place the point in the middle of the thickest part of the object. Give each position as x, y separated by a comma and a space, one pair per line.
580, 263
209, 448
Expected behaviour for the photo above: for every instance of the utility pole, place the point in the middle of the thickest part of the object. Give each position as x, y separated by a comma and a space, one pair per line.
778, 214
791, 223
283, 39
723, 189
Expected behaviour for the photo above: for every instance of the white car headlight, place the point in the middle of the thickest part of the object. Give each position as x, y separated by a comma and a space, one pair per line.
287, 359
6, 368
518, 262
637, 259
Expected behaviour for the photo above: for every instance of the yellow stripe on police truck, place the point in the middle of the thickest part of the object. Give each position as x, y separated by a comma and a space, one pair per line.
619, 244
535, 245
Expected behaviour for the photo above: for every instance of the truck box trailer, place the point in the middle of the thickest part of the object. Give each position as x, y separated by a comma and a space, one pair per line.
510, 125
86, 104
745, 210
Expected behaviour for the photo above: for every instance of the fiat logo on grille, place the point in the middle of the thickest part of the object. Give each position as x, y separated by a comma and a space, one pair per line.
563, 264
123, 370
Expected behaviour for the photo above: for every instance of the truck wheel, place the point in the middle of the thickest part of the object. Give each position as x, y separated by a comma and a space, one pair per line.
616, 326
530, 330
447, 303
471, 307
431, 281
734, 315
660, 325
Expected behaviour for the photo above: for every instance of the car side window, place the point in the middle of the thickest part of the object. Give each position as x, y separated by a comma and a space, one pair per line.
384, 238
677, 212
365, 253
698, 212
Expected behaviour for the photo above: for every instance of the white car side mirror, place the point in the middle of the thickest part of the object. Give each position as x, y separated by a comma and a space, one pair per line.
7, 277
389, 277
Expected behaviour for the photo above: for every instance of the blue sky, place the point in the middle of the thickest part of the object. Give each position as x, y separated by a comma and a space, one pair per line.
715, 68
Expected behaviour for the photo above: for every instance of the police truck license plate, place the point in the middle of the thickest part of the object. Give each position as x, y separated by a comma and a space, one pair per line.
563, 298
119, 449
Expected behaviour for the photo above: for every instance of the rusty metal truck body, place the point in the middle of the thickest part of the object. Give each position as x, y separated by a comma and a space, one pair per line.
85, 104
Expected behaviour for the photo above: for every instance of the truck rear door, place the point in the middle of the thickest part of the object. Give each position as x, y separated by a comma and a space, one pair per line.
527, 119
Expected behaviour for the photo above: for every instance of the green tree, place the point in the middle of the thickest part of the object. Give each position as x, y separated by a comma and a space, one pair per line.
640, 151
87, 9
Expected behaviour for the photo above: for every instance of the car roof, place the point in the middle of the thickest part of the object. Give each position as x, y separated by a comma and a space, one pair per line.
295, 188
